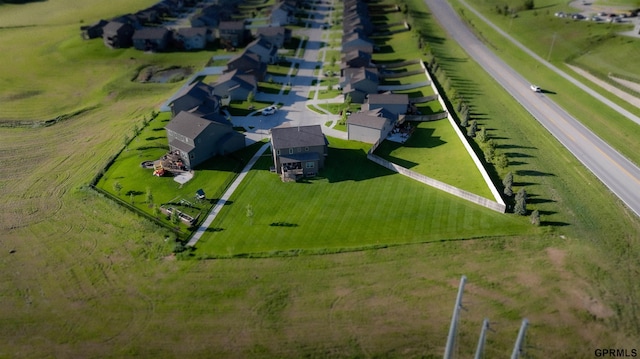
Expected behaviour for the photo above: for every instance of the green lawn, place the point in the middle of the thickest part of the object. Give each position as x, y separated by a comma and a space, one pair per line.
213, 176
434, 150
354, 203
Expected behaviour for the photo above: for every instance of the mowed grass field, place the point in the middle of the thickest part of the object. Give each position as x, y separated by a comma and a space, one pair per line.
353, 204
83, 277
426, 154
50, 71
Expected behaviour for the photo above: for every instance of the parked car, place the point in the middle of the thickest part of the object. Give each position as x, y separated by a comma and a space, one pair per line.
269, 111
535, 88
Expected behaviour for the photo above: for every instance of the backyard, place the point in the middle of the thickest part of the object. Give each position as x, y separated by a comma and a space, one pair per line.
434, 150
353, 204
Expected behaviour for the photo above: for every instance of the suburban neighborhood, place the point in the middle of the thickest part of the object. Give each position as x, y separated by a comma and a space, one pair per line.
319, 178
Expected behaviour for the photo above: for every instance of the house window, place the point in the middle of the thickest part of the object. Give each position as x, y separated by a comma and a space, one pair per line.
310, 164
291, 151
278, 152
192, 156
299, 149
306, 148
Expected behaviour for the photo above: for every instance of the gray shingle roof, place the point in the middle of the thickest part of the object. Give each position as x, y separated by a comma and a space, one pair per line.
190, 125
298, 136
368, 120
382, 99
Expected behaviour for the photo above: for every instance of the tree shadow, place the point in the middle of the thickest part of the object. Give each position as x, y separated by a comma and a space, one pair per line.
214, 229
554, 223
283, 224
517, 155
534, 173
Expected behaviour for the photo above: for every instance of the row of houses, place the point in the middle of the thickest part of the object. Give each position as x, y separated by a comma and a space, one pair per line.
198, 130
145, 30
358, 74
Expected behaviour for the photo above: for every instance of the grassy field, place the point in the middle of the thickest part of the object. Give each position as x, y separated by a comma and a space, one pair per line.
354, 203
425, 153
84, 277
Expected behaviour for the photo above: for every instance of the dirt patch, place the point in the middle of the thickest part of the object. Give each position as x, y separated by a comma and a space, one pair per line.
155, 74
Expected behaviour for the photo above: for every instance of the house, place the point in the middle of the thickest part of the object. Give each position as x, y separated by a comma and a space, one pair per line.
196, 139
298, 151
233, 33
117, 35
396, 104
151, 39
357, 22
190, 38
235, 85
148, 17
277, 35
267, 51
356, 41
357, 58
359, 82
94, 30
247, 62
282, 14
196, 95
369, 126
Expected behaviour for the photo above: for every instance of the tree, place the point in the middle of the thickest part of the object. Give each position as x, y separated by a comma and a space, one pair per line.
347, 101
156, 211
535, 218
529, 4
249, 210
125, 140
332, 62
521, 202
489, 149
131, 197
174, 216
482, 135
472, 129
117, 187
149, 198
250, 97
507, 182
501, 161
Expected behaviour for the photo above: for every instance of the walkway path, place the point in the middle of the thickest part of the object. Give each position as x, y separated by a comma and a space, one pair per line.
225, 197
610, 88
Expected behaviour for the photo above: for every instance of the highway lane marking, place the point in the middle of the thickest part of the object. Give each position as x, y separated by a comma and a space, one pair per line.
589, 142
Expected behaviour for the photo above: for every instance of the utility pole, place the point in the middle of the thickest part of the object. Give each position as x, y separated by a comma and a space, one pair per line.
517, 348
483, 335
454, 321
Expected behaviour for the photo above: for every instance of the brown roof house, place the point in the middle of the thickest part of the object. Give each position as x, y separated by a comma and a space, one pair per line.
247, 62
298, 151
151, 39
370, 126
277, 35
94, 30
233, 33
267, 51
196, 97
397, 104
191, 38
359, 82
117, 35
197, 139
356, 41
235, 85
282, 13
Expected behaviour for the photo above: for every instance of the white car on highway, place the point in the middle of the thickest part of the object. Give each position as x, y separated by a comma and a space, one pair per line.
535, 88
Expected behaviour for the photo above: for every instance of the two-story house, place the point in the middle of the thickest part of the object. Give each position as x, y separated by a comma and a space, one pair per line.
298, 151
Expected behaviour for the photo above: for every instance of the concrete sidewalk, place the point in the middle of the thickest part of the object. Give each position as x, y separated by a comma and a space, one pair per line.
225, 197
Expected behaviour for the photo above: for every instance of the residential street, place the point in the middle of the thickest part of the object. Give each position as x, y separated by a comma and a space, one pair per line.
619, 174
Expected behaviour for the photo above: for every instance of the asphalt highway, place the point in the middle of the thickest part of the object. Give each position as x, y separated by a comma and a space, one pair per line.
619, 174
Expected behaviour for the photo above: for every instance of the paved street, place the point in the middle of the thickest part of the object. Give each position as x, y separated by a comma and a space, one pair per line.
619, 174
